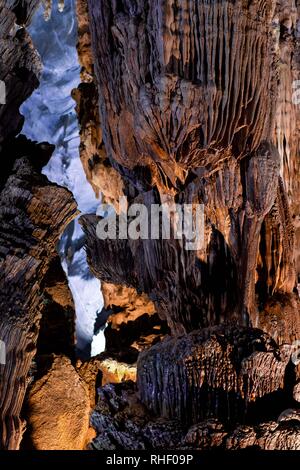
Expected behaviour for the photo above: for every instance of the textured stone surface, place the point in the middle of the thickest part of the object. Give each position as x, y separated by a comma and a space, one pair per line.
118, 433
212, 372
213, 131
205, 435
209, 131
115, 371
296, 392
33, 213
101, 175
132, 323
20, 65
121, 422
103, 369
59, 407
196, 106
266, 436
165, 102
57, 327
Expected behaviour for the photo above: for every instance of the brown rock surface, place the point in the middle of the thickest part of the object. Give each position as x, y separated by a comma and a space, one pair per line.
266, 436
296, 392
101, 370
59, 408
211, 372
132, 322
204, 131
20, 65
57, 327
114, 371
103, 178
205, 435
33, 213
196, 105
166, 105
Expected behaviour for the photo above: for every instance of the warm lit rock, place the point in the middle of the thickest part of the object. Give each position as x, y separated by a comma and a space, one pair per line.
115, 372
185, 102
58, 409
205, 435
266, 436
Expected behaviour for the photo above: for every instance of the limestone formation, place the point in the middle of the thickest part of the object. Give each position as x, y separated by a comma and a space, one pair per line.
33, 214
213, 372
181, 102
122, 422
180, 138
195, 102
59, 409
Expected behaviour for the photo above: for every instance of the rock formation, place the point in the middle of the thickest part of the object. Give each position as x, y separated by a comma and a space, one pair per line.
181, 102
174, 89
122, 422
215, 371
59, 409
196, 100
33, 213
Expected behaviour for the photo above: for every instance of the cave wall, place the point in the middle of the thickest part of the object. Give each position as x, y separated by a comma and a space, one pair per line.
197, 105
192, 96
33, 214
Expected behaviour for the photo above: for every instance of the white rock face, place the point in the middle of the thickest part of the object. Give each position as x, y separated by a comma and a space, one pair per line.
50, 116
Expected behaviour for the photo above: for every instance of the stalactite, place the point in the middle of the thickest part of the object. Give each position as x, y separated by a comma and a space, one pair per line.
48, 8
61, 5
